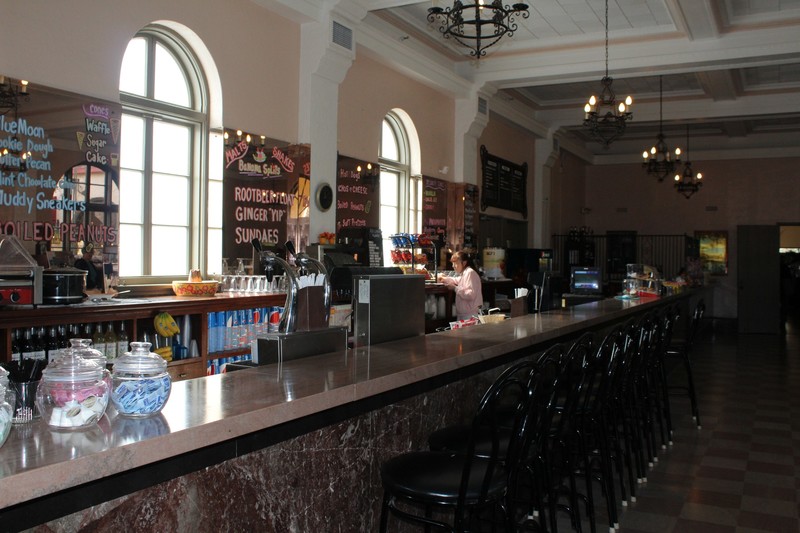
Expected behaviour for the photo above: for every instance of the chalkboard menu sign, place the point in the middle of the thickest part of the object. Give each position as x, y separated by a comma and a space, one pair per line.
434, 209
265, 193
59, 173
503, 183
357, 194
470, 216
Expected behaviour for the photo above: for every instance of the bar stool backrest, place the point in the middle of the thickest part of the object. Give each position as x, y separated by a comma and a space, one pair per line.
491, 419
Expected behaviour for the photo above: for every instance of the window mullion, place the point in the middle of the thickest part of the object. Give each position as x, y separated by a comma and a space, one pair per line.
151, 68
147, 222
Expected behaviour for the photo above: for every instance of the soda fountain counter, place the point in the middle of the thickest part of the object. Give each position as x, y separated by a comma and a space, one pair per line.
292, 446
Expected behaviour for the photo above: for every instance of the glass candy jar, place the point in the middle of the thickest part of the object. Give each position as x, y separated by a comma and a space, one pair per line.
140, 382
5, 410
73, 392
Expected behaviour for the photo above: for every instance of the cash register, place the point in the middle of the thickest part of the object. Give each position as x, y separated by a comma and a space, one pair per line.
585, 285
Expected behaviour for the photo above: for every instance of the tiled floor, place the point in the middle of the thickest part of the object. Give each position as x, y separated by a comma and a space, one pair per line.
739, 473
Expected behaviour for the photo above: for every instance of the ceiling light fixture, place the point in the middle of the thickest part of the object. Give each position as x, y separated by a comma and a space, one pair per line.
605, 120
478, 24
658, 161
688, 183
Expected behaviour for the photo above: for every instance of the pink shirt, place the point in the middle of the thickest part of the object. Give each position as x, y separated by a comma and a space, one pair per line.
469, 297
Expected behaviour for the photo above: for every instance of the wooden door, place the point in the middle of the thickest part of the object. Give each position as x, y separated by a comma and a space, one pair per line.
758, 269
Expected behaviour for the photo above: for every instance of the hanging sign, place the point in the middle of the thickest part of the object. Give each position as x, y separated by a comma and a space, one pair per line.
357, 194
503, 183
265, 193
434, 209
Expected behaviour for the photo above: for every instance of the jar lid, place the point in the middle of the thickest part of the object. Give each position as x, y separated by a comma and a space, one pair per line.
140, 360
83, 348
72, 368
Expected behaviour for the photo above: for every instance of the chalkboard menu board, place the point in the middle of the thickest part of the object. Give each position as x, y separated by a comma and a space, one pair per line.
470, 216
503, 183
434, 209
357, 194
59, 173
265, 193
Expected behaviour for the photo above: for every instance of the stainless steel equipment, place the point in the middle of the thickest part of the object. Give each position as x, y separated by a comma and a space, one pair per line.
20, 275
388, 308
281, 347
342, 279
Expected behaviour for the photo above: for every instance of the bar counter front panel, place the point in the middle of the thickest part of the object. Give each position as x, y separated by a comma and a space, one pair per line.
286, 447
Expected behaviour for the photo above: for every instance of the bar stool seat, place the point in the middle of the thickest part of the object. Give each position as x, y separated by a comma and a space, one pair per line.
436, 476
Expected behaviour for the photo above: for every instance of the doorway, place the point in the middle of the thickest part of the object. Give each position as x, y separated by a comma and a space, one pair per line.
790, 278
758, 265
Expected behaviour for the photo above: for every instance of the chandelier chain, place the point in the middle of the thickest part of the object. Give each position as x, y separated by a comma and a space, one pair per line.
606, 38
661, 105
604, 117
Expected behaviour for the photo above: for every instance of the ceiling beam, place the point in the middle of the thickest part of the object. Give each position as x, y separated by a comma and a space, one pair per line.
720, 85
388, 4
695, 17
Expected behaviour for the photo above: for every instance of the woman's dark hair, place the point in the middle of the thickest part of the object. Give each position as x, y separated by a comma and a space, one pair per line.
464, 256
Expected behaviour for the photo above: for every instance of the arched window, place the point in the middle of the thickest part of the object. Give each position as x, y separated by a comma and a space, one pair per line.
162, 170
401, 192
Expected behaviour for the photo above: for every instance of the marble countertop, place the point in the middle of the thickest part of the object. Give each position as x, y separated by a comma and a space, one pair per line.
37, 460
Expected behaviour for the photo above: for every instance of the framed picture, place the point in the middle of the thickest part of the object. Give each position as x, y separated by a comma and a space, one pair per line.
713, 251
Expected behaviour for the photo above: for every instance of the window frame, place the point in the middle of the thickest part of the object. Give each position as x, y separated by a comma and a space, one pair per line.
197, 118
408, 185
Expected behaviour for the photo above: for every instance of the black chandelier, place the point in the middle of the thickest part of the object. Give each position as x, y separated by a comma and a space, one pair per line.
605, 120
688, 183
11, 94
658, 161
13, 156
477, 25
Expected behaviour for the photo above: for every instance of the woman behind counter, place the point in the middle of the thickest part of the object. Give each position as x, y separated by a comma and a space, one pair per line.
469, 297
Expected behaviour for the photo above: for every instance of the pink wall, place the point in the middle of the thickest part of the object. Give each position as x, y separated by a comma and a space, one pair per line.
735, 192
567, 193
370, 91
78, 46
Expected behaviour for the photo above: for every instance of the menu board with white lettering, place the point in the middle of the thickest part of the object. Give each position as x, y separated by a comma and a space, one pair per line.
503, 183
59, 172
265, 194
357, 194
434, 209
470, 216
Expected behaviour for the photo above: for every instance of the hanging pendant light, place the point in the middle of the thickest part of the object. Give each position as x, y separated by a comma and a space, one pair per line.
688, 182
658, 161
603, 117
478, 24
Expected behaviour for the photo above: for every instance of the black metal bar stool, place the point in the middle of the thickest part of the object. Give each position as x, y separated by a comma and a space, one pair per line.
470, 486
681, 348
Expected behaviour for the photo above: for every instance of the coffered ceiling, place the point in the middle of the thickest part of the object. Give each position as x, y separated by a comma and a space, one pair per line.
730, 69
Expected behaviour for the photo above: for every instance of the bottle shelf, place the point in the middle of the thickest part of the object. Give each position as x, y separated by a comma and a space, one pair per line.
138, 318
